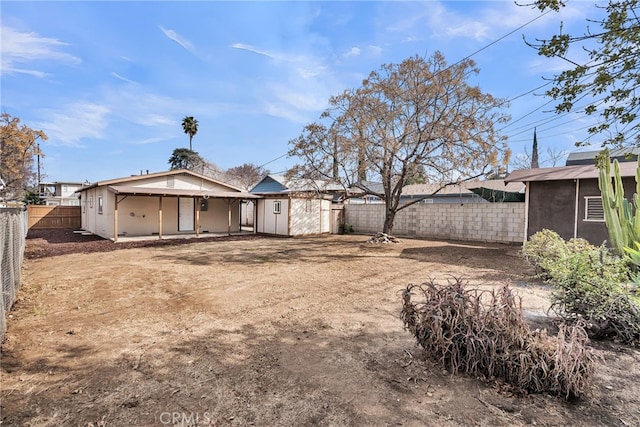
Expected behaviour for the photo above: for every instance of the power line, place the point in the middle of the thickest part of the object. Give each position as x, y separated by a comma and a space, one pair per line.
271, 161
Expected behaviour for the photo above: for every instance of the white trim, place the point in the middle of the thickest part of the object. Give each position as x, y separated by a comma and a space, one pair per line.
587, 199
526, 209
576, 209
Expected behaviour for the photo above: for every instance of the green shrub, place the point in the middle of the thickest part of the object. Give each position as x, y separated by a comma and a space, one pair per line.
345, 228
488, 337
544, 248
590, 284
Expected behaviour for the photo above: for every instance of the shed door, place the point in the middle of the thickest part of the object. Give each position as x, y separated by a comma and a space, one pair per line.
186, 210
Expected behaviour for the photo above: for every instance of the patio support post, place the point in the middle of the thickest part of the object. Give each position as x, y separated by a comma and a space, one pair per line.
229, 221
255, 216
115, 220
160, 218
197, 216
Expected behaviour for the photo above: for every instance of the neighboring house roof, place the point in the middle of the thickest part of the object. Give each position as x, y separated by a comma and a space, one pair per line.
464, 188
280, 184
62, 183
429, 189
567, 172
588, 157
127, 186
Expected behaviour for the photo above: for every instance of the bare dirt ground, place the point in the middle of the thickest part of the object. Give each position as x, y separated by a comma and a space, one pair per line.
264, 331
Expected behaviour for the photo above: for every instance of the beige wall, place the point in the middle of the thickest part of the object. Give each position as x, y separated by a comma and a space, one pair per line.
94, 221
178, 181
310, 216
139, 215
486, 222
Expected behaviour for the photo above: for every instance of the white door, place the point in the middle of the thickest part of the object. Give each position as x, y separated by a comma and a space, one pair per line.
186, 210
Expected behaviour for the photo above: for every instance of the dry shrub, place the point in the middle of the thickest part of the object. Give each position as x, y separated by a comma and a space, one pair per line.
484, 334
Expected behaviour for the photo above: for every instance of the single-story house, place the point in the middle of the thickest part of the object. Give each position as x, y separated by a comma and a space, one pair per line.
293, 207
567, 200
177, 202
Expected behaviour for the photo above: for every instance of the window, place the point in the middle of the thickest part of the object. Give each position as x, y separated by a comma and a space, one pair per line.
593, 209
100, 204
90, 201
276, 208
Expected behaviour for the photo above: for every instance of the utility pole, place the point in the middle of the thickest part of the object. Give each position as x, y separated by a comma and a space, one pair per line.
38, 169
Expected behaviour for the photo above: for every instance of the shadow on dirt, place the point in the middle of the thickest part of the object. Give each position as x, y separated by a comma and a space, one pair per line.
292, 375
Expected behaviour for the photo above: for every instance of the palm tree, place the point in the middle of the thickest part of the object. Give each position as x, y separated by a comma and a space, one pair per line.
190, 126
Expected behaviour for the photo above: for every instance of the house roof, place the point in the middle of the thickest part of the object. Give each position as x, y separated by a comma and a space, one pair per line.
464, 188
124, 186
588, 157
134, 178
567, 173
285, 185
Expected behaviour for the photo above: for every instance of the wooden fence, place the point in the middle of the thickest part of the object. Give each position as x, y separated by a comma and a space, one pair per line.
54, 216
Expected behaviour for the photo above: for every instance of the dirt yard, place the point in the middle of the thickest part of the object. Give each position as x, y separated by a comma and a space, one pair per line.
264, 331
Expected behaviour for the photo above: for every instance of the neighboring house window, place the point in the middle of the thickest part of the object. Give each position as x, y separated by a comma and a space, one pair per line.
593, 208
91, 201
99, 204
277, 208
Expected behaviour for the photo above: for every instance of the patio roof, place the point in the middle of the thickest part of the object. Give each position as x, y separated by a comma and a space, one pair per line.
150, 191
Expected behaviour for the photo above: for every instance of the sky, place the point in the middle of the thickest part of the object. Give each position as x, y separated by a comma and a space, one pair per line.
110, 82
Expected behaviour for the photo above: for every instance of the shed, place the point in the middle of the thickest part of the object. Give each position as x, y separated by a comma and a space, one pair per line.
293, 207
176, 202
567, 200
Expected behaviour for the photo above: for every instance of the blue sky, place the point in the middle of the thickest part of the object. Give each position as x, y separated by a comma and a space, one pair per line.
110, 82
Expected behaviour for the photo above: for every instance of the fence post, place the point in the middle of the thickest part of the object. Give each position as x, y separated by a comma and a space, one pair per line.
13, 233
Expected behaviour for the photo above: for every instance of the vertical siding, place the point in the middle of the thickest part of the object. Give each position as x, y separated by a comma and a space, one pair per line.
485, 222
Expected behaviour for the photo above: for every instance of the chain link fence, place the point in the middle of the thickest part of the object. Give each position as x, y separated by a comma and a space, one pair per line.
13, 233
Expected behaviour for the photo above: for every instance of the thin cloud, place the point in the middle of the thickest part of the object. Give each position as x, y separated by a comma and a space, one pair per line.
75, 122
374, 49
180, 40
124, 79
255, 50
354, 51
20, 48
152, 140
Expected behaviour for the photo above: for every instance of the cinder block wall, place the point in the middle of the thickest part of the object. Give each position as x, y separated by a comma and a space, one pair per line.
484, 222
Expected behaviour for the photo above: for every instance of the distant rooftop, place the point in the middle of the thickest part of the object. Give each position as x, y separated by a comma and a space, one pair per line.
588, 157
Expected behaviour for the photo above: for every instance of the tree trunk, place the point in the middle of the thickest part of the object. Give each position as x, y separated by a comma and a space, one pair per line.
389, 217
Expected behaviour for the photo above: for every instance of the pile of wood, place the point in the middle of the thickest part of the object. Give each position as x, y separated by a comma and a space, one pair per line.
383, 238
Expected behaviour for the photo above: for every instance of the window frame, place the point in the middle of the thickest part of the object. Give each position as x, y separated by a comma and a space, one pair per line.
277, 207
589, 213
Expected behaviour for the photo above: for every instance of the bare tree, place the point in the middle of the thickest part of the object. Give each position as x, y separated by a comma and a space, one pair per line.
247, 174
18, 147
420, 117
552, 157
